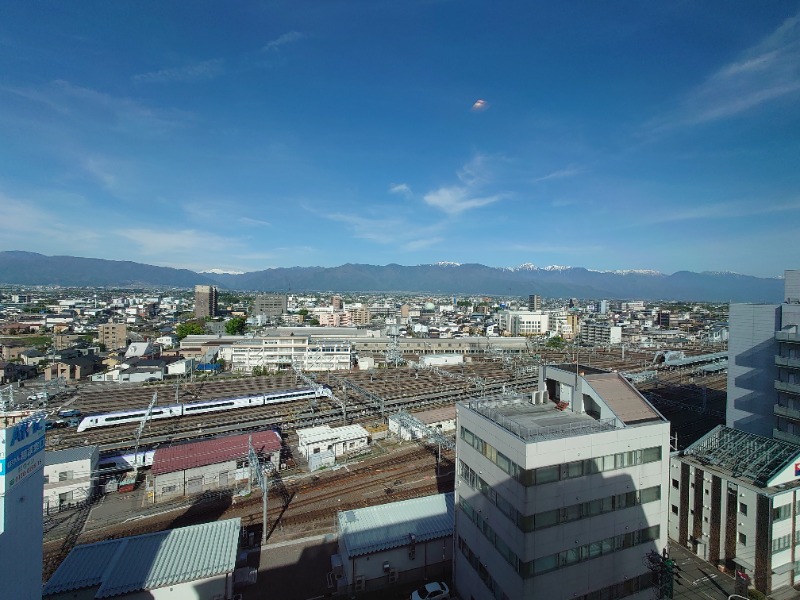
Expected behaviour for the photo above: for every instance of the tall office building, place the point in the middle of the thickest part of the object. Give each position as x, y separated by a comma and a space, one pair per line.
562, 494
271, 306
21, 494
205, 301
764, 365
534, 302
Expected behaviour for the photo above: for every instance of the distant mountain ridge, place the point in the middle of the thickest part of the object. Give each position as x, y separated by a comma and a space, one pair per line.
30, 268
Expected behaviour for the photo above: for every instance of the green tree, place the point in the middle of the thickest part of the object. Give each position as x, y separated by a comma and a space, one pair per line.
556, 342
189, 328
235, 326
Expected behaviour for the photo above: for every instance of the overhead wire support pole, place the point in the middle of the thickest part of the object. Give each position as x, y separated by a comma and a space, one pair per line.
263, 483
139, 431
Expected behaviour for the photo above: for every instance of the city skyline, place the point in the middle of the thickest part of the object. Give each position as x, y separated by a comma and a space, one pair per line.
270, 134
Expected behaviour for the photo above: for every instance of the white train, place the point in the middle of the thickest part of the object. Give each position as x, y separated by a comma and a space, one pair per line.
206, 406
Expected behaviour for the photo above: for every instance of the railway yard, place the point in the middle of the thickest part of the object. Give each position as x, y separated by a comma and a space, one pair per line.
300, 501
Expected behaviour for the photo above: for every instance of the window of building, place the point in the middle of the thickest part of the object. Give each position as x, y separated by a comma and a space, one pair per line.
674, 510
743, 539
168, 489
780, 513
675, 484
743, 508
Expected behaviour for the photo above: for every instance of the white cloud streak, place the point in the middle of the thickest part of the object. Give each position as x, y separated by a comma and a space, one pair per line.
766, 72
456, 199
560, 174
283, 40
401, 189
201, 71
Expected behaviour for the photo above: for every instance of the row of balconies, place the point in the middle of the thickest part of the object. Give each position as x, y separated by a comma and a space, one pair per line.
787, 336
789, 388
789, 363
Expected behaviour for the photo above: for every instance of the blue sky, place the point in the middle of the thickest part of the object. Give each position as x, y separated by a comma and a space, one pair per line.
247, 135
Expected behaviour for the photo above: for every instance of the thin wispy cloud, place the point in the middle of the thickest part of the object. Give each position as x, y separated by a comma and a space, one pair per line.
722, 210
401, 189
766, 72
456, 199
571, 249
250, 222
201, 71
421, 244
184, 243
101, 171
560, 174
283, 40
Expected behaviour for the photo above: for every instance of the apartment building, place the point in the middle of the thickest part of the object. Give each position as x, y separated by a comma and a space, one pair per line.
113, 335
562, 494
734, 502
282, 352
272, 306
205, 301
600, 334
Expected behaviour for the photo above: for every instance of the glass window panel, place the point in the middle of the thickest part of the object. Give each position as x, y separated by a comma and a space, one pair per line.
547, 474
546, 519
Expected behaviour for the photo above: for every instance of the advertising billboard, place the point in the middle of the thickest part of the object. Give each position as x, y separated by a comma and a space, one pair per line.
21, 451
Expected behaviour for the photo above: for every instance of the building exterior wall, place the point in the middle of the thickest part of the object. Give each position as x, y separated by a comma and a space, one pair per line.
498, 556
270, 305
751, 367
205, 301
735, 525
223, 475
21, 484
429, 561
69, 483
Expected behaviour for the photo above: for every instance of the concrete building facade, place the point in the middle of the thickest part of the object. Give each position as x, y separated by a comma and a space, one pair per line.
70, 477
735, 502
764, 365
562, 494
205, 301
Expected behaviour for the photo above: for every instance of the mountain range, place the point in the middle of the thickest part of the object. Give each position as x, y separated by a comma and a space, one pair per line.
29, 268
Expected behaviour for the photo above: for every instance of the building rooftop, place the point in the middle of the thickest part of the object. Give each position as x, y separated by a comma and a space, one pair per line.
378, 528
624, 399
209, 452
150, 561
58, 457
536, 422
746, 456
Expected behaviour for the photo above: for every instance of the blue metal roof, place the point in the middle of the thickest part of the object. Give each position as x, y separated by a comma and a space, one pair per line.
146, 562
377, 528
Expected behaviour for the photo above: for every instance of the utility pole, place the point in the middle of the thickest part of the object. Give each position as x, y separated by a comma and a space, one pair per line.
263, 483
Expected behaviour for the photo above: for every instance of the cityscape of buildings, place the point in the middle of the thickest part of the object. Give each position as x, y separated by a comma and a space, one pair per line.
575, 489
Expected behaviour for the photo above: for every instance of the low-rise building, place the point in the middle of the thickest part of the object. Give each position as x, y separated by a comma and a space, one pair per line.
197, 467
442, 420
195, 562
338, 440
70, 477
392, 544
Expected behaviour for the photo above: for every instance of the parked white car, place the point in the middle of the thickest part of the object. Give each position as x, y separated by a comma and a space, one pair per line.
436, 590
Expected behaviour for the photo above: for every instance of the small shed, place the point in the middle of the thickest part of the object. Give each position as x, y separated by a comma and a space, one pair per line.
393, 544
193, 468
338, 440
188, 562
441, 419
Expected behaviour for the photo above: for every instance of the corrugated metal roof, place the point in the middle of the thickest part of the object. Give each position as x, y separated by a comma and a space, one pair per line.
151, 561
67, 455
209, 452
377, 528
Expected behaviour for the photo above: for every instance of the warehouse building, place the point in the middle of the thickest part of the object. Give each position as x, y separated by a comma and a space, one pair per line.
734, 500
394, 544
188, 469
195, 562
337, 440
70, 477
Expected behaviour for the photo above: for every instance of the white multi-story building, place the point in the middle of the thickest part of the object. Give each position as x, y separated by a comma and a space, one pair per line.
562, 494
600, 334
283, 352
734, 502
523, 322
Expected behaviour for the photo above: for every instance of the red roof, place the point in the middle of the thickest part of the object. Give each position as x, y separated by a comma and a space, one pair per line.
209, 452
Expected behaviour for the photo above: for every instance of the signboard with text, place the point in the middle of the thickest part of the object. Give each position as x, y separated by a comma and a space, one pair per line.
21, 452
